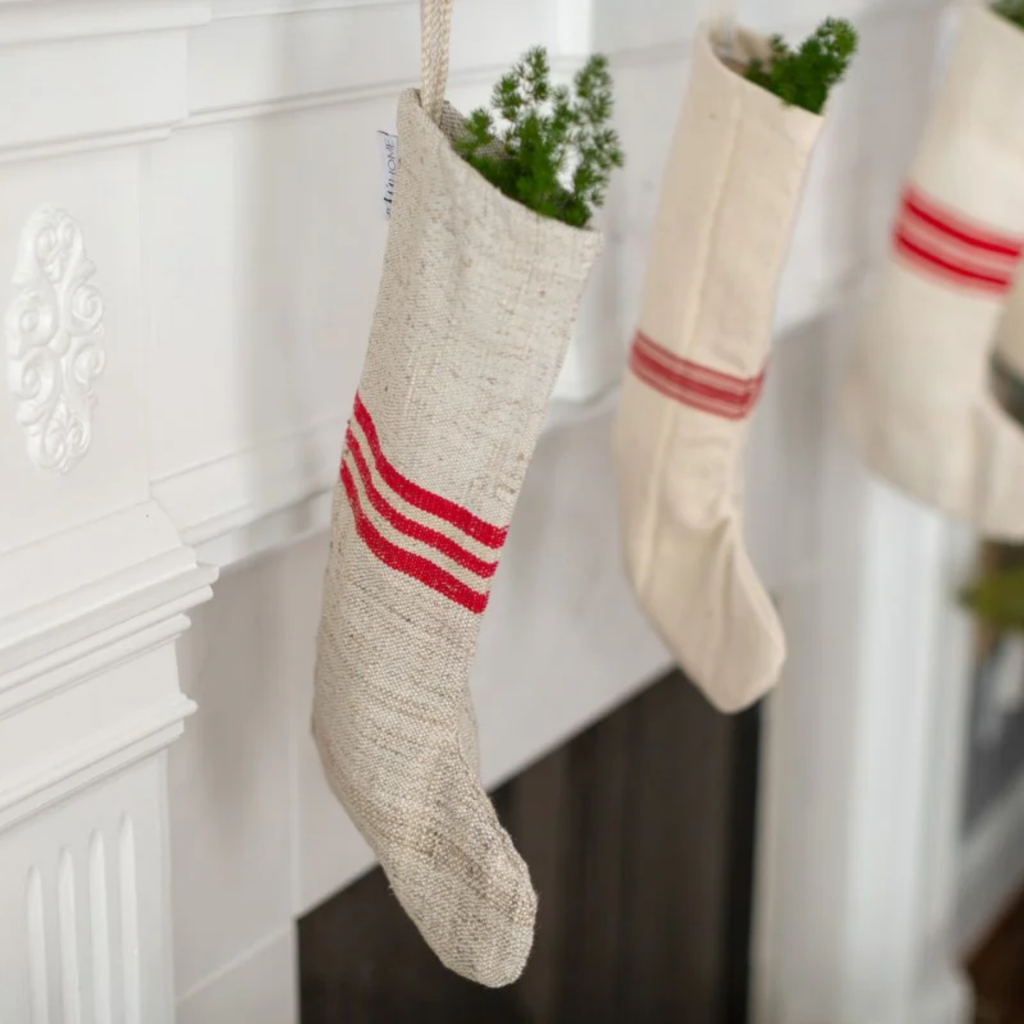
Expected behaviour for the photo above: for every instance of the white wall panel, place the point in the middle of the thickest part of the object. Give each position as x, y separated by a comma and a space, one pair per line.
219, 159
99, 193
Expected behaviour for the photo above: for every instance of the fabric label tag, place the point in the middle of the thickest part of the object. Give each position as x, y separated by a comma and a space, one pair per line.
389, 168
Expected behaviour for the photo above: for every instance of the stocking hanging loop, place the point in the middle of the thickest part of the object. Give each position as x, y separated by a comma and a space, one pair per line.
435, 31
721, 16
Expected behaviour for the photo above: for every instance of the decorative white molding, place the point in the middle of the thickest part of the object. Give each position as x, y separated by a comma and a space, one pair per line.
260, 986
84, 887
862, 786
344, 92
48, 47
88, 678
104, 648
222, 9
89, 700
67, 923
128, 885
242, 62
47, 21
64, 146
224, 60
99, 931
77, 766
55, 335
39, 988
234, 509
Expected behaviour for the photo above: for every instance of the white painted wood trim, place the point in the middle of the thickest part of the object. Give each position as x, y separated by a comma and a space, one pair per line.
260, 986
50, 22
89, 700
861, 792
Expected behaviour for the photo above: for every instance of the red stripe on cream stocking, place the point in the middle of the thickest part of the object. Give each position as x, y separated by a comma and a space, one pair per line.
692, 384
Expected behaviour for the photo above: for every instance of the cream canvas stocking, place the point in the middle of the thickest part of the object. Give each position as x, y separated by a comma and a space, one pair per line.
917, 398
1009, 348
730, 192
476, 306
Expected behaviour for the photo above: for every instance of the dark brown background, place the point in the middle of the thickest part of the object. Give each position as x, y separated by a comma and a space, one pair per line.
639, 834
992, 768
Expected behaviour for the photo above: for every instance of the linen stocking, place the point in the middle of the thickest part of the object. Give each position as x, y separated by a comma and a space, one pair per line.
729, 197
917, 398
476, 307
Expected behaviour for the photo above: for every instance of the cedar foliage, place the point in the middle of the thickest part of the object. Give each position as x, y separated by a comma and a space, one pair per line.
998, 598
1011, 10
803, 77
548, 147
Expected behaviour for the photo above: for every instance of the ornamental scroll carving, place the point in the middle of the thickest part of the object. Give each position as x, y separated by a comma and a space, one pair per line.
55, 352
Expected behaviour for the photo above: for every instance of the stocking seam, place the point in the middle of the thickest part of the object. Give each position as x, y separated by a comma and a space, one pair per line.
668, 418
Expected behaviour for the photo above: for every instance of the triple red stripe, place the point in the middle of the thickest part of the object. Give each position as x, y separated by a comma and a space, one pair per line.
943, 243
426, 501
408, 562
410, 527
692, 384
440, 515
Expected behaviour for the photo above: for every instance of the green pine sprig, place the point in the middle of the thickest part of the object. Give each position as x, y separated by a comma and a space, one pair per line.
1011, 10
997, 597
804, 77
548, 147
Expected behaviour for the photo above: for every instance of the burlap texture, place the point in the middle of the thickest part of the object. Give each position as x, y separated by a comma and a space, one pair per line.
476, 307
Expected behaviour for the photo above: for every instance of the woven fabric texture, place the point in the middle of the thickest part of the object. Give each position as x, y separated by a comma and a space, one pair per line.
729, 197
476, 307
917, 398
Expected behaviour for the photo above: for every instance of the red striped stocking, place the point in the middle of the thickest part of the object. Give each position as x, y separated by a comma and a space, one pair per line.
697, 365
476, 307
917, 397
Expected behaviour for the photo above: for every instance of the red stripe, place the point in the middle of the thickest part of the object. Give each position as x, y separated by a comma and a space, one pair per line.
691, 387
739, 403
685, 397
918, 205
959, 272
691, 393
684, 368
406, 562
682, 395
426, 501
410, 527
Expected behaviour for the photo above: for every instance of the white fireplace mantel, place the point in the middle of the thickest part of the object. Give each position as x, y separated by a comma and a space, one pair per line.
191, 226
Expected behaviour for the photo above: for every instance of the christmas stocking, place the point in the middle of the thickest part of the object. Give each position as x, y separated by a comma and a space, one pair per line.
475, 310
697, 364
917, 398
1009, 348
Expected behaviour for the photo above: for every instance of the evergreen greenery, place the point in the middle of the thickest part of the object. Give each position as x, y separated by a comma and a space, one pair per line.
548, 147
803, 77
997, 597
1011, 10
